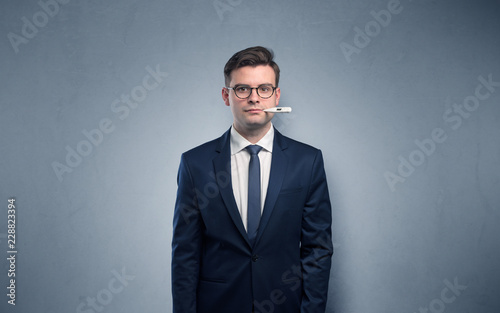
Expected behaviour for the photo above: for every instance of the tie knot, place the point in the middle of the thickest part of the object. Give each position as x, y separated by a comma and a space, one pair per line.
253, 149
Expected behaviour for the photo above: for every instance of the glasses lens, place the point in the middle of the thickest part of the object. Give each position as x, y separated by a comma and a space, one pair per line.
265, 91
242, 91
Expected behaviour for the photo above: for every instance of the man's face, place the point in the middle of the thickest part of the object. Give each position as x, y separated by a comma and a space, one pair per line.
247, 113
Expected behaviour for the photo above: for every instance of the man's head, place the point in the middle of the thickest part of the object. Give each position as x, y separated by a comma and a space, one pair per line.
251, 86
252, 56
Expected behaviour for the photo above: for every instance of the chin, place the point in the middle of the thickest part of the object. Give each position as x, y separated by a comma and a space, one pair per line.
257, 125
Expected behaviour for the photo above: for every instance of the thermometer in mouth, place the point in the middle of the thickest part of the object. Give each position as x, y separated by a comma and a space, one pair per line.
279, 110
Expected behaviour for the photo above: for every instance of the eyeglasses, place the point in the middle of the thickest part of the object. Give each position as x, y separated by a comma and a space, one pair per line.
243, 91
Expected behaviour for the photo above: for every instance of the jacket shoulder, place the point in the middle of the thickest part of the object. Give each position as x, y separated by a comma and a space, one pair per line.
298, 146
208, 148
203, 148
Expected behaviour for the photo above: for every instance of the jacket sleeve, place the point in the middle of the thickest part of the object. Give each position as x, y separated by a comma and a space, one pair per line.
186, 243
316, 242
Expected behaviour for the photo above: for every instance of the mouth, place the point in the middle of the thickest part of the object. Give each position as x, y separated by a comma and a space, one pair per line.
254, 110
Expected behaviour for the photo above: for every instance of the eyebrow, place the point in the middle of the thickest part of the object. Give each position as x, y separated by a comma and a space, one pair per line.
257, 85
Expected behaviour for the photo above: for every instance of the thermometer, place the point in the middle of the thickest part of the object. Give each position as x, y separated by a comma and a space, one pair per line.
279, 110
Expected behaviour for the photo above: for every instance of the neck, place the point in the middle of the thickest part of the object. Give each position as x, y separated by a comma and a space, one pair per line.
253, 135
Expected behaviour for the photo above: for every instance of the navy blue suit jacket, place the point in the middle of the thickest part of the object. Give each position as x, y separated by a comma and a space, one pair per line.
214, 267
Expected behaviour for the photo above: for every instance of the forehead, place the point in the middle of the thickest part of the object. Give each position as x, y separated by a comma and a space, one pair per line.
253, 75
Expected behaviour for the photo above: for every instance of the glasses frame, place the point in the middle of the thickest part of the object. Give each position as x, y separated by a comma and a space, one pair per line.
251, 90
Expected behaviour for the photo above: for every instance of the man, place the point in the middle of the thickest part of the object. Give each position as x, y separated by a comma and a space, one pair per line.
252, 220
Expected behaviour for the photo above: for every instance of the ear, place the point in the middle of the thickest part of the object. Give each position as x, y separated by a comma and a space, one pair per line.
278, 94
225, 95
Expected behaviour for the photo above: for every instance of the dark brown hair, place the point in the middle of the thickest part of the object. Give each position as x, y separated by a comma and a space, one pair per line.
252, 56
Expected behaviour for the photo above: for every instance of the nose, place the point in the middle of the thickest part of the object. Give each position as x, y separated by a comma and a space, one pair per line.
254, 97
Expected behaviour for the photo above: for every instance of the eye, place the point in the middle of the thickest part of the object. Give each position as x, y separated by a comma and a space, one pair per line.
242, 88
265, 88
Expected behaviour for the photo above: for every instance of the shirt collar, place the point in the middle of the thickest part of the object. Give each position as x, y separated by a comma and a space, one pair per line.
238, 142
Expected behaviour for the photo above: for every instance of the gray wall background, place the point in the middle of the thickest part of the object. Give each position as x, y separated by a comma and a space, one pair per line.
427, 238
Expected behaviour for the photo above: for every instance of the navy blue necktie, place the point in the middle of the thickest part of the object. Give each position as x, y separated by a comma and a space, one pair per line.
253, 217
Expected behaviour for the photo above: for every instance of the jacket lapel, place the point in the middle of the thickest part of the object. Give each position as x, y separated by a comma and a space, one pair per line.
222, 166
279, 163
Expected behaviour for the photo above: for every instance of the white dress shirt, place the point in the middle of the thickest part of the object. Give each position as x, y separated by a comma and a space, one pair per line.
240, 159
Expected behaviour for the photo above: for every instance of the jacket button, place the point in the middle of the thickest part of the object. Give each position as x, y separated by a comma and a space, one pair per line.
255, 257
